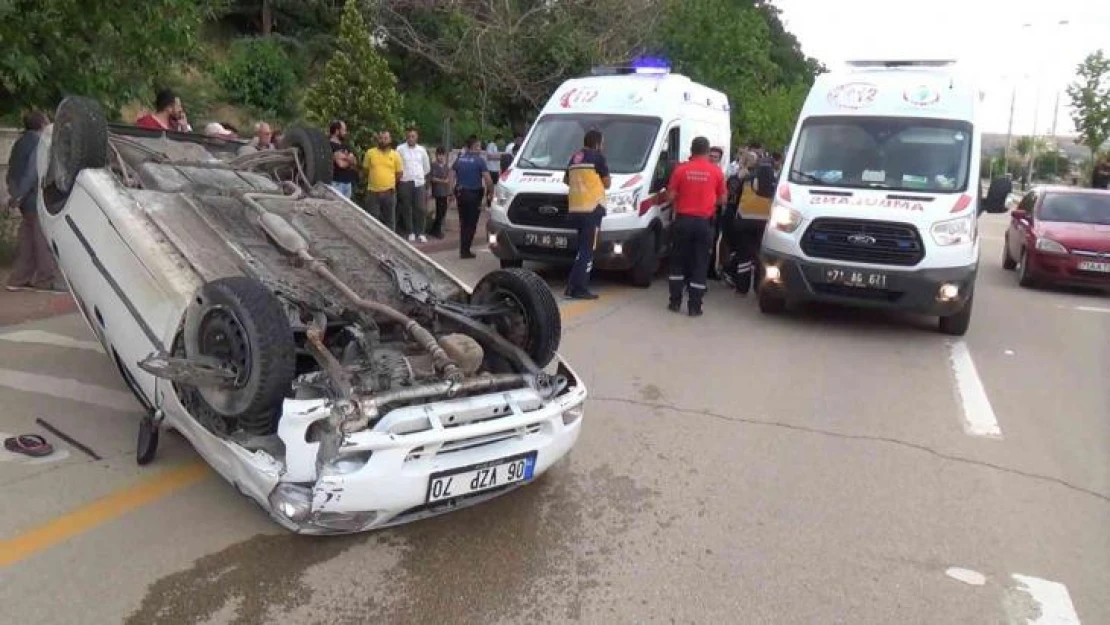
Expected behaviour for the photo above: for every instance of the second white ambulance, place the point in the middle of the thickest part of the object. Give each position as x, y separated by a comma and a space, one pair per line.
648, 117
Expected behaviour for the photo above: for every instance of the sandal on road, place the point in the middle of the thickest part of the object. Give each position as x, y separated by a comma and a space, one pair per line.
29, 445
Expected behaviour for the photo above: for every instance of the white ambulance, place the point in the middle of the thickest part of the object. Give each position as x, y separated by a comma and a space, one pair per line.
878, 200
648, 118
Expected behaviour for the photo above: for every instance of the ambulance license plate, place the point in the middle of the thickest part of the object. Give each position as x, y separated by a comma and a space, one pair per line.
546, 240
855, 278
481, 477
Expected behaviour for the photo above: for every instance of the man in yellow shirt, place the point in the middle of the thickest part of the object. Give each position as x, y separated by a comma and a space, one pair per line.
383, 171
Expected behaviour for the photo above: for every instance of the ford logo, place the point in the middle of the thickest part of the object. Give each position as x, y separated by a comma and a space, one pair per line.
861, 239
548, 210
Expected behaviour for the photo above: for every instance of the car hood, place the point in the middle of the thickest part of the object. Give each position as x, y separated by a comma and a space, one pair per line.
1091, 237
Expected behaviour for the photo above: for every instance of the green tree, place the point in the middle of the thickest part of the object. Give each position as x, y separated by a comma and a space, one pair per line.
111, 51
258, 74
1090, 101
357, 85
1051, 163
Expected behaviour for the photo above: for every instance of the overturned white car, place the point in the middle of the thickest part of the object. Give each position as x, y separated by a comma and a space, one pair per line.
331, 372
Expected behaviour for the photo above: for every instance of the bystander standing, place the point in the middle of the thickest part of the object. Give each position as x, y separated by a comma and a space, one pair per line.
168, 114
471, 180
411, 193
441, 191
383, 171
34, 269
344, 163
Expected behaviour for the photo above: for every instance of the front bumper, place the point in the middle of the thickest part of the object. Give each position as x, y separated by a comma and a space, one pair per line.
1064, 270
617, 250
907, 289
380, 477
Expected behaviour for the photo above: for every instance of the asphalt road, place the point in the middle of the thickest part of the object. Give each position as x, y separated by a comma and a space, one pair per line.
829, 466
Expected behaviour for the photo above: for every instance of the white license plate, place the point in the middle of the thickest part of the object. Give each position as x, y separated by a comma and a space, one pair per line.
546, 240
1090, 266
481, 477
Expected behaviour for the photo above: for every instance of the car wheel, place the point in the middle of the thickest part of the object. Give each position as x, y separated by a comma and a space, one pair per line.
1023, 276
1007, 263
314, 150
511, 263
79, 140
535, 325
957, 324
771, 303
241, 324
647, 265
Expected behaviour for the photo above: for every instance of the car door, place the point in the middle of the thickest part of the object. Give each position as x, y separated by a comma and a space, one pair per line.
1020, 228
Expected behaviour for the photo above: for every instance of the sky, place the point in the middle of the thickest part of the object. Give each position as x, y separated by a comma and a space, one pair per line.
1005, 44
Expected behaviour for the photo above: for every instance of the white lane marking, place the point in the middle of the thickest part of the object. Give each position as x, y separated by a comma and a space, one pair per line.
1053, 604
979, 419
64, 388
967, 576
1094, 309
1009, 352
49, 338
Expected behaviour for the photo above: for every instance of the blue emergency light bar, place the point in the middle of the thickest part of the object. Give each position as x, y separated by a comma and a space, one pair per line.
640, 65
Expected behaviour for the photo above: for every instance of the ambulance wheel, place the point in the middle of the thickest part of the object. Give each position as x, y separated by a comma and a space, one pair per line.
647, 265
771, 303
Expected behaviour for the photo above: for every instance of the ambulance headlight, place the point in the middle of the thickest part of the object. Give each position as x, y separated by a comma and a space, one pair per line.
784, 218
954, 231
502, 195
623, 202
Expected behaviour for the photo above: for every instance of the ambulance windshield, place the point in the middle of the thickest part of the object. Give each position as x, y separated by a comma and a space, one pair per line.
907, 154
628, 141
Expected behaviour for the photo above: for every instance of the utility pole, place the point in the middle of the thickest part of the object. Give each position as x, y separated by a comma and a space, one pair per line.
1010, 129
1033, 143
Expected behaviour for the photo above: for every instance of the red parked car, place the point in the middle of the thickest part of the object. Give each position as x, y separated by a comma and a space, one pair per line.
1060, 235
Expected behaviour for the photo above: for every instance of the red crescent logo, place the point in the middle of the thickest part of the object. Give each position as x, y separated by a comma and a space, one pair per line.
565, 100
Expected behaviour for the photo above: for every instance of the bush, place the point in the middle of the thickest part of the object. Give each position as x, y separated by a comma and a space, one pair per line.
259, 74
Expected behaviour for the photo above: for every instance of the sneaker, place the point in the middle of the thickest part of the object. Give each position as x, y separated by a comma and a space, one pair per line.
467, 255
422, 239
412, 238
674, 305
585, 295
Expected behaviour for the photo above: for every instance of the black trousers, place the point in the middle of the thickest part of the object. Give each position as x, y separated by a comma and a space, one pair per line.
441, 213
587, 225
690, 240
743, 238
470, 209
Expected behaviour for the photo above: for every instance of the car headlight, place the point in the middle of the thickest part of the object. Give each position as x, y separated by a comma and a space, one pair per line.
954, 231
622, 202
1050, 247
784, 218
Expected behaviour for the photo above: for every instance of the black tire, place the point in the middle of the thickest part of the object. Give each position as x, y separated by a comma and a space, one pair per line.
647, 265
770, 303
79, 140
957, 324
240, 322
1023, 277
1007, 263
147, 444
538, 327
315, 153
511, 263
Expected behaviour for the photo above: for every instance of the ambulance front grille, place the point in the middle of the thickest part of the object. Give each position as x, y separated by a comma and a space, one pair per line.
545, 210
864, 241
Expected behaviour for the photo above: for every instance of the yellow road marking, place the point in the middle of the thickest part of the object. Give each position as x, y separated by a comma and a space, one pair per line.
149, 490
100, 512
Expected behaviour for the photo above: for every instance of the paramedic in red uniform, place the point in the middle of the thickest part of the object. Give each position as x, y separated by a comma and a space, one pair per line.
696, 188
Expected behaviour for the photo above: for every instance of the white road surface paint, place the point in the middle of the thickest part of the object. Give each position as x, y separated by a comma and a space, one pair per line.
1053, 604
967, 576
1009, 352
979, 418
1094, 309
49, 338
73, 390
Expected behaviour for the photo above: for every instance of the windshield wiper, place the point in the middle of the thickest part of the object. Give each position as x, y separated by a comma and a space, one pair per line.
523, 162
798, 172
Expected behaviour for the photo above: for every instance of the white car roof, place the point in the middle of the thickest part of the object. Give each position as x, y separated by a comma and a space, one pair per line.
659, 95
933, 89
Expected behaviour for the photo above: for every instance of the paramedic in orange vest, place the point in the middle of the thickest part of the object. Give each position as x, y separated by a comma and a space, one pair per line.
696, 188
587, 178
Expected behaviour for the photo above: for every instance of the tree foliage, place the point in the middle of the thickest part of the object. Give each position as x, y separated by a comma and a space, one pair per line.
258, 74
1090, 100
108, 50
357, 84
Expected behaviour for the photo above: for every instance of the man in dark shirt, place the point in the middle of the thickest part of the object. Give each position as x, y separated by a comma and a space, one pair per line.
34, 268
696, 188
471, 180
344, 162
